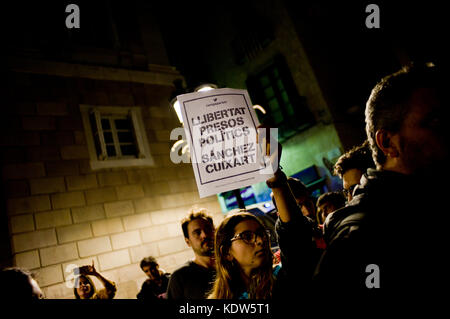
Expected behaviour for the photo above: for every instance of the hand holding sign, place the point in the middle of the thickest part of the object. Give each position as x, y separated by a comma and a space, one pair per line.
267, 139
221, 130
273, 151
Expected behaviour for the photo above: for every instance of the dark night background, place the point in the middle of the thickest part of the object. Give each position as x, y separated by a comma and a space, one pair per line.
333, 32
347, 58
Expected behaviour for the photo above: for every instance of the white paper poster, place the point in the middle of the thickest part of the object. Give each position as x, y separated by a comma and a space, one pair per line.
220, 126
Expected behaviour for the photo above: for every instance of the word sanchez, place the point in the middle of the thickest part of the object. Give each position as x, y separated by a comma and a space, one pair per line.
219, 161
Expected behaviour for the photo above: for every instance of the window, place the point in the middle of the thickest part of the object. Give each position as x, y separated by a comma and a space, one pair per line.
115, 136
274, 89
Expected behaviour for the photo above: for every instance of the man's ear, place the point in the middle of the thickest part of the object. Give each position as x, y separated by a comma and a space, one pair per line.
387, 142
187, 241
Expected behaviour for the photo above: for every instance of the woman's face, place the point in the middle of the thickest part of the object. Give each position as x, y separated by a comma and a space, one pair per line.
84, 288
249, 252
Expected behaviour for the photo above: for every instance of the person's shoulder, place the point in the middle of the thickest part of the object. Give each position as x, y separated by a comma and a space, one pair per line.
186, 267
166, 276
337, 217
344, 222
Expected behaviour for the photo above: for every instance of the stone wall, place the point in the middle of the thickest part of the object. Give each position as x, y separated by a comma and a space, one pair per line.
60, 212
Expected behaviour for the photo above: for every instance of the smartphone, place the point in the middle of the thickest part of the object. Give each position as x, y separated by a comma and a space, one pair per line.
80, 270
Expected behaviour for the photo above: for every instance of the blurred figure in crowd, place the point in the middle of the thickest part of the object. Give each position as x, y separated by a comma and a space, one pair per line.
307, 207
352, 165
156, 285
328, 203
303, 198
85, 288
19, 285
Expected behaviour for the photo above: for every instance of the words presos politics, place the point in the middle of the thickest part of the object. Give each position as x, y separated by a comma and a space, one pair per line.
214, 131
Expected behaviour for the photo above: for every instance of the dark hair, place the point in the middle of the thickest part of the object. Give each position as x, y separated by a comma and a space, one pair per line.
16, 284
388, 104
297, 187
77, 280
359, 157
337, 199
148, 261
195, 213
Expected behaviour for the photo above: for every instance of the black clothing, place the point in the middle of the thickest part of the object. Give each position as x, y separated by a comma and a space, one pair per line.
387, 224
297, 252
190, 281
151, 290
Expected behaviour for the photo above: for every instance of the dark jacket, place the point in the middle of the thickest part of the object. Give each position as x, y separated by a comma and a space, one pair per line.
297, 257
387, 224
151, 290
190, 281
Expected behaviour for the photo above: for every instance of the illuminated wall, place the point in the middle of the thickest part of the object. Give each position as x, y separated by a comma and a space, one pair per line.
61, 212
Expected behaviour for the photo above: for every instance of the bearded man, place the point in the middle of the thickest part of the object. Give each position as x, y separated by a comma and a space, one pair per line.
193, 279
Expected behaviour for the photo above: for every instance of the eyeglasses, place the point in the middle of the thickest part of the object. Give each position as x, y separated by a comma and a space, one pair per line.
349, 191
249, 237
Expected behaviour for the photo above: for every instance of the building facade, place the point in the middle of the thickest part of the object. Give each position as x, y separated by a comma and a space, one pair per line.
59, 211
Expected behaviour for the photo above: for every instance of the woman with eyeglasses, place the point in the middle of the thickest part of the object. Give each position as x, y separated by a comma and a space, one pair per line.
244, 261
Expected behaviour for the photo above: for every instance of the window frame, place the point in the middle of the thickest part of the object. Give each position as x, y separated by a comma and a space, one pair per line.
290, 124
99, 161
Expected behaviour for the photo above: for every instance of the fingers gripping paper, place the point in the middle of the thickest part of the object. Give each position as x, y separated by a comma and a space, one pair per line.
220, 126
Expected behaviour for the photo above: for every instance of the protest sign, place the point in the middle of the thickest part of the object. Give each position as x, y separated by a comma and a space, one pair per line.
220, 126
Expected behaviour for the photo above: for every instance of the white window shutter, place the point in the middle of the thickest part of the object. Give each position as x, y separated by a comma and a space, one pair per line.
98, 122
137, 131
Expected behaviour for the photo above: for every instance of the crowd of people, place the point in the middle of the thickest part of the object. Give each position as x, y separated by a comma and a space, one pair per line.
383, 218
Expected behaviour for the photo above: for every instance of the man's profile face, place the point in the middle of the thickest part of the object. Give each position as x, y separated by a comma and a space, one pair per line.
36, 290
307, 206
350, 178
324, 210
423, 149
201, 237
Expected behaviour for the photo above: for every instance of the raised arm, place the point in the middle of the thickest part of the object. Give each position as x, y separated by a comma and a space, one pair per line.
286, 204
293, 229
110, 287
285, 200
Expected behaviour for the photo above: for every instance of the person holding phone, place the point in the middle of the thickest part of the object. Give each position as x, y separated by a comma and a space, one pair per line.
85, 288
